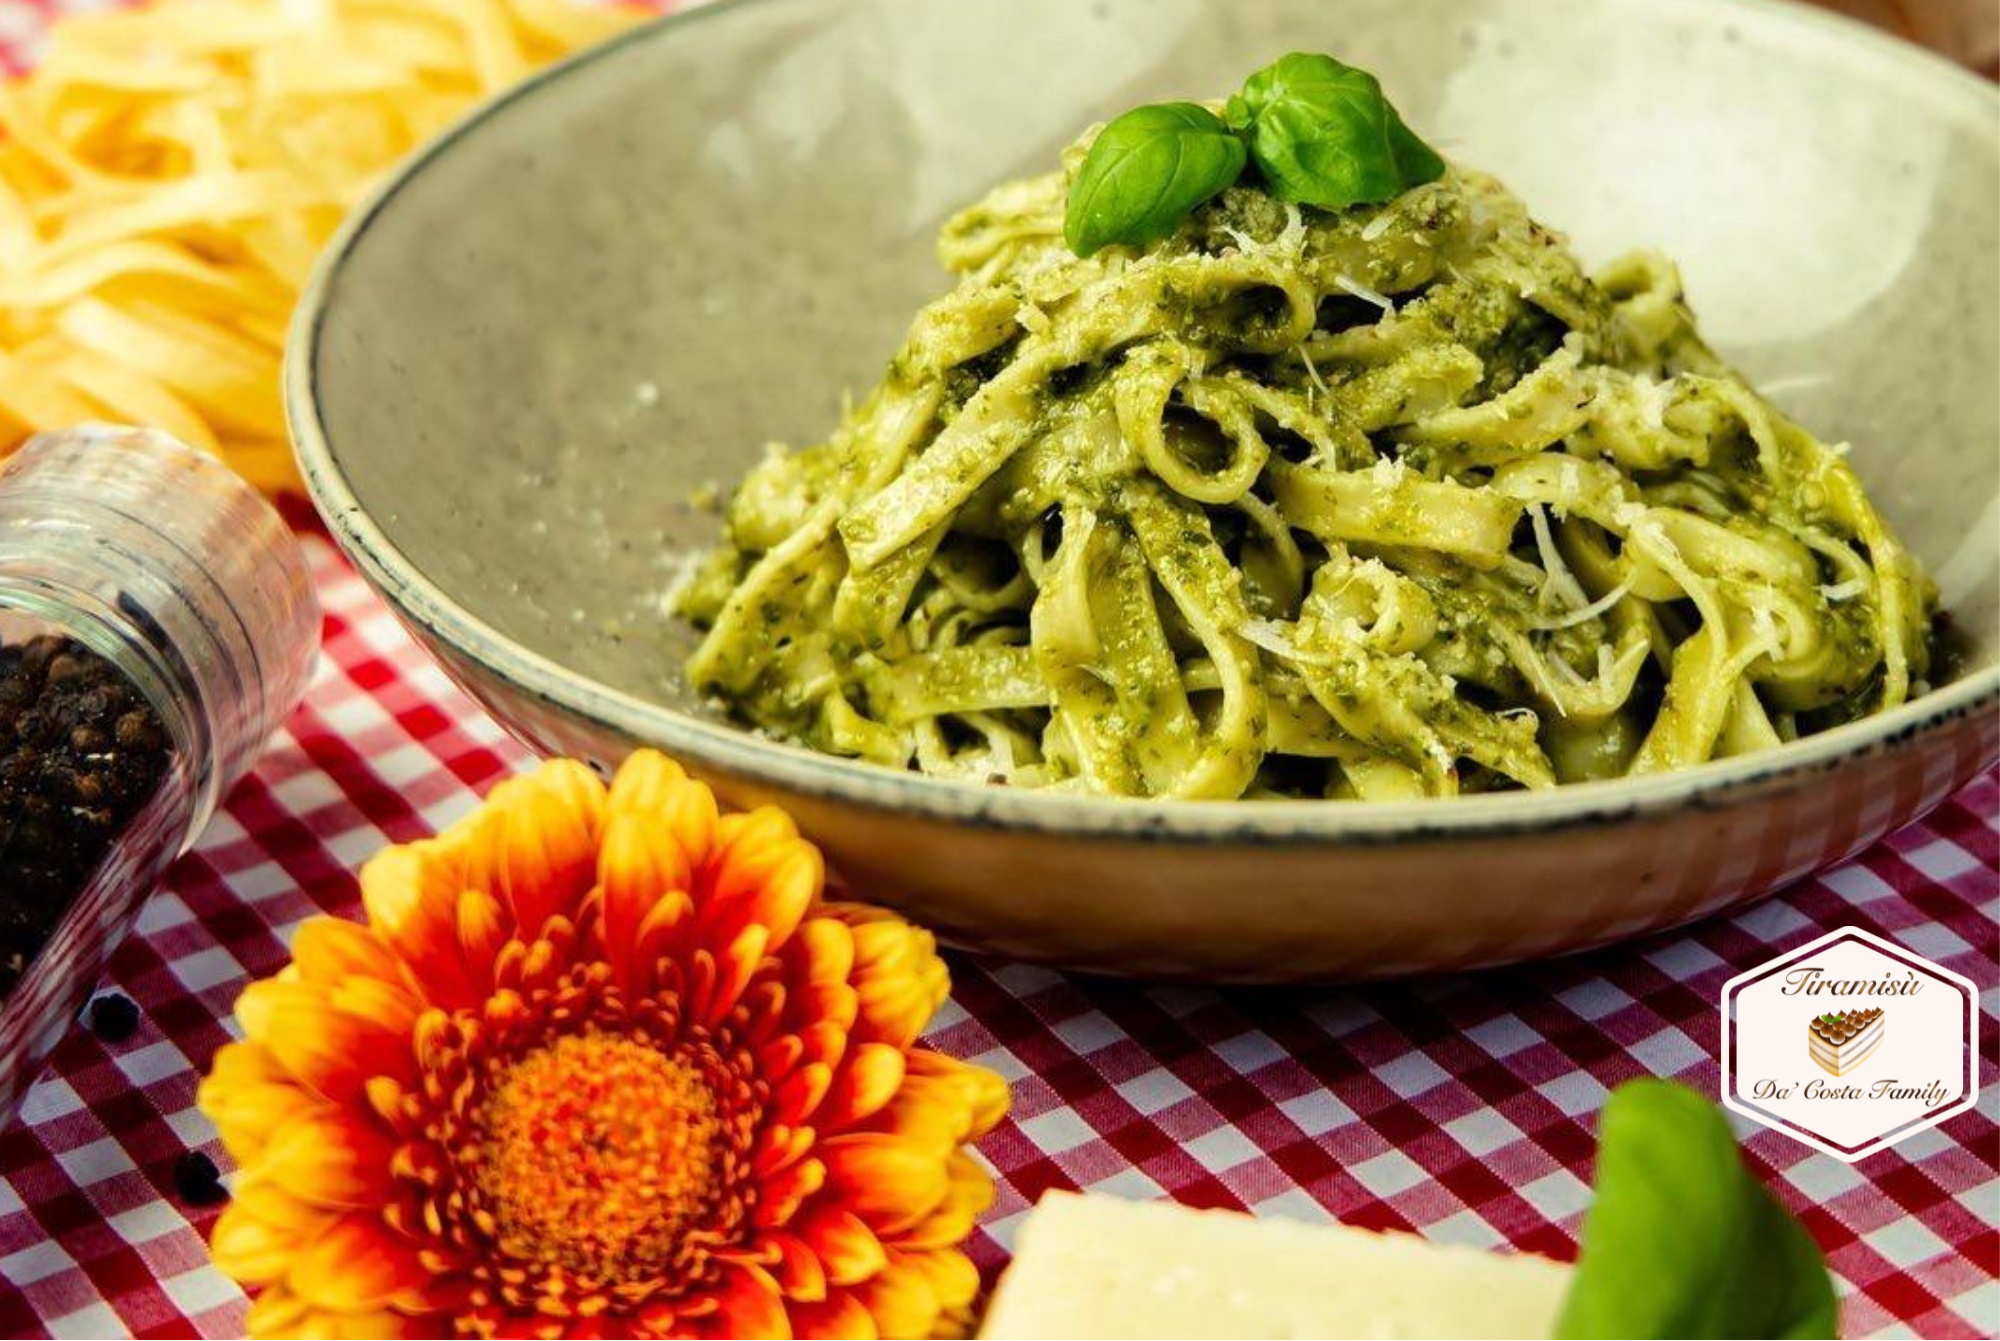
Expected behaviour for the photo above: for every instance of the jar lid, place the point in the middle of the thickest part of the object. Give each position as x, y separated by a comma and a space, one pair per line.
196, 560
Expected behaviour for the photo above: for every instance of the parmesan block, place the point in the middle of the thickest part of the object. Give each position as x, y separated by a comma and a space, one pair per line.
1088, 1266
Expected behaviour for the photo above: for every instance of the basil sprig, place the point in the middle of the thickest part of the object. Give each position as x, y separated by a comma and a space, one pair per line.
1323, 134
1319, 132
1145, 171
1681, 1239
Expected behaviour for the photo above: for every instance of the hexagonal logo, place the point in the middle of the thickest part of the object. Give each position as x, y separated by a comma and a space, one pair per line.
1849, 1043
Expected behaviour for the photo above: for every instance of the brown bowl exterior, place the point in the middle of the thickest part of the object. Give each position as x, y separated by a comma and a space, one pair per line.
1249, 906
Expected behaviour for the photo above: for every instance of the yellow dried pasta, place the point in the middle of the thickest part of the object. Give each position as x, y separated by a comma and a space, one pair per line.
169, 173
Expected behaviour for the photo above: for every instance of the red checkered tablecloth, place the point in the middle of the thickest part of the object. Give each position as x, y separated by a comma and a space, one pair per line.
1461, 1107
1458, 1106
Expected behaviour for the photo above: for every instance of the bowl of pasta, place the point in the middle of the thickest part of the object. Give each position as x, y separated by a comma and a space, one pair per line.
1204, 490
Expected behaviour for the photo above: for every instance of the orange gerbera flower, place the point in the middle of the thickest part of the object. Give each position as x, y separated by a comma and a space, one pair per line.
601, 1063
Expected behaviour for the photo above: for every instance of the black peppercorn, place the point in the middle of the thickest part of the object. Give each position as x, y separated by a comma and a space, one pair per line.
80, 752
113, 1017
198, 1181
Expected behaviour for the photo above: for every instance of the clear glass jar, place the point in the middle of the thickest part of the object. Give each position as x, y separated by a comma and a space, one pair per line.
157, 622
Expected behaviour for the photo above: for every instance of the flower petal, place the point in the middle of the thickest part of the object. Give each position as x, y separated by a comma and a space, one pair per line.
941, 1103
662, 931
799, 1272
799, 1093
330, 949
332, 1052
483, 928
897, 973
780, 1147
387, 1006
245, 1063
953, 1280
901, 1301
841, 1318
356, 1266
824, 1042
250, 1249
782, 1192
844, 1244
261, 1197
821, 952
953, 1218
654, 787
884, 1179
762, 874
276, 1311
644, 781
639, 864
330, 1160
248, 1096
381, 1324
411, 898
781, 1055
535, 847
748, 1307
753, 829
990, 1098
873, 1073
719, 979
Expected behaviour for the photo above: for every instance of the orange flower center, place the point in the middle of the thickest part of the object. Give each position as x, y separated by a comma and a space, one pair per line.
601, 1152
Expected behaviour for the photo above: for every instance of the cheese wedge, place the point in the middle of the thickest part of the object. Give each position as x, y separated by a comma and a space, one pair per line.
1088, 1266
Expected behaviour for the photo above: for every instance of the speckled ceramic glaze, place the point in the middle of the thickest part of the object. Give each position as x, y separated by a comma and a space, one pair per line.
620, 282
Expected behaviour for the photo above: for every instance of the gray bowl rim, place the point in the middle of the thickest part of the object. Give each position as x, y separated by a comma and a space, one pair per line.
796, 769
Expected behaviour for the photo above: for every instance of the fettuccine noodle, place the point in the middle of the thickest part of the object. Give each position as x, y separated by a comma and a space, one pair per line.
168, 174
1389, 502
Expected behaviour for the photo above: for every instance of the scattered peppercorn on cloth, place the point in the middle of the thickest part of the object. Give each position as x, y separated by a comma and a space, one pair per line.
1460, 1107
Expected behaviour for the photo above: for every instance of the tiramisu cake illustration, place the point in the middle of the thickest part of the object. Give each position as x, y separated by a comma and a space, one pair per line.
1842, 1040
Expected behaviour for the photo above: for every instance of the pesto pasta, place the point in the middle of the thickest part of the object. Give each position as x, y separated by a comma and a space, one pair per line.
1389, 501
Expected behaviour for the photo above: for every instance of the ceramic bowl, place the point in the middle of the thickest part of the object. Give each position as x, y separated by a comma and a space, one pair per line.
617, 283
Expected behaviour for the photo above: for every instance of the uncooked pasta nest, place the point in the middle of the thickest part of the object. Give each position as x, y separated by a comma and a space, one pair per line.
168, 175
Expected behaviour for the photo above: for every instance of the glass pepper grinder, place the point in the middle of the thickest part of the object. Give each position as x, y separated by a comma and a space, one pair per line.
157, 622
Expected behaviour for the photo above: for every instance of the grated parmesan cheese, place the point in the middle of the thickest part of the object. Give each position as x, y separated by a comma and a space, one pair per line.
684, 569
1274, 638
1568, 673
1654, 397
1572, 479
1366, 294
1312, 372
1292, 236
1591, 611
1289, 240
1778, 386
1244, 242
1388, 470
1762, 619
1629, 515
1559, 580
1546, 684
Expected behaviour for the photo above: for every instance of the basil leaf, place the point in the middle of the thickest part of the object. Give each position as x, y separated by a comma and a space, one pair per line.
1322, 134
1145, 171
1682, 1241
